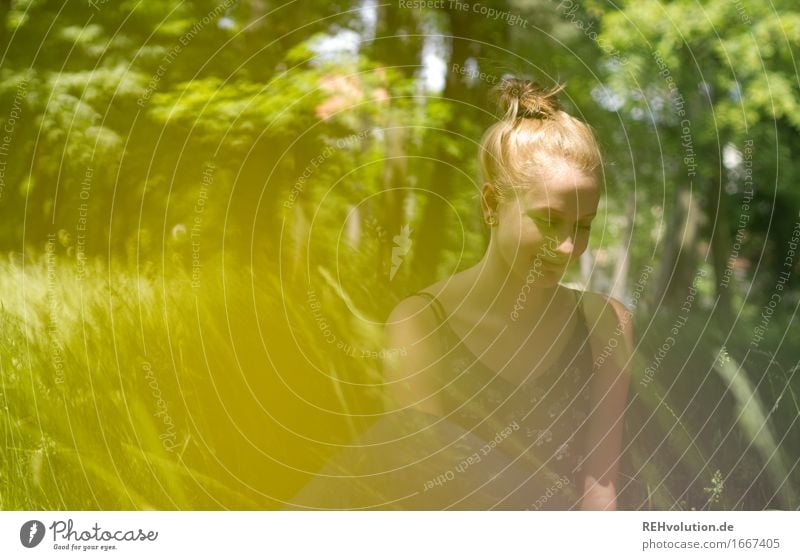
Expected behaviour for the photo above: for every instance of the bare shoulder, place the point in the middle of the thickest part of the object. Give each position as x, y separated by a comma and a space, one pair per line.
417, 309
413, 311
415, 318
607, 316
601, 307
412, 326
409, 369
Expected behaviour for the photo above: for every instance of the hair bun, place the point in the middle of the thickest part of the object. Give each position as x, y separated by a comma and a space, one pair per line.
521, 98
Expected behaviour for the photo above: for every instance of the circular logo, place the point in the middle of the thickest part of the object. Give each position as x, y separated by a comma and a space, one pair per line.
32, 533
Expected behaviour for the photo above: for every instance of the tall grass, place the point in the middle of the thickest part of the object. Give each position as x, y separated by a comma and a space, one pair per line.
124, 387
715, 428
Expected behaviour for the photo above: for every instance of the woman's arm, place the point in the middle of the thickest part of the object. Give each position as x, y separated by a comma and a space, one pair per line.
612, 343
411, 364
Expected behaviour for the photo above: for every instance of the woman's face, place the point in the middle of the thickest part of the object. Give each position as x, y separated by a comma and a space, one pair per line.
544, 227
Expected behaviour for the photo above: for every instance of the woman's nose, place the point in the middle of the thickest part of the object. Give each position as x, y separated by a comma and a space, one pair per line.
563, 245
566, 248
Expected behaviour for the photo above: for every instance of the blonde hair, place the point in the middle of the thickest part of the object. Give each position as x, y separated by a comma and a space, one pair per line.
533, 133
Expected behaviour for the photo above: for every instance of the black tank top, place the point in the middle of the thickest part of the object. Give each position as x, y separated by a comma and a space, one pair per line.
540, 423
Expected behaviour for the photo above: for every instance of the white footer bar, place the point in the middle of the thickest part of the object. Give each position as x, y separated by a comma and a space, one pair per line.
399, 535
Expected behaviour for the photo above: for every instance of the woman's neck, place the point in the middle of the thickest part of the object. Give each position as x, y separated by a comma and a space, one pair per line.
504, 295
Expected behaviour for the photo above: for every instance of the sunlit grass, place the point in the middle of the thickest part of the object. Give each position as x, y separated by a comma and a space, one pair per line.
125, 390
129, 390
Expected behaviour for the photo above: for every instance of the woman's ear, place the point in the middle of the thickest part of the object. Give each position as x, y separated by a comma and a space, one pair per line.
489, 199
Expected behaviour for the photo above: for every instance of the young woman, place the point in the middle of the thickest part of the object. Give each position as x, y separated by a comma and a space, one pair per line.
525, 377
505, 390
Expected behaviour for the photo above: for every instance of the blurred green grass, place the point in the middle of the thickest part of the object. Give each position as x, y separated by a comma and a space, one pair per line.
126, 388
123, 389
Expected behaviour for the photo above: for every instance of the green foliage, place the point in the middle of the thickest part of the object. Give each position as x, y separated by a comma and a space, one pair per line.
162, 142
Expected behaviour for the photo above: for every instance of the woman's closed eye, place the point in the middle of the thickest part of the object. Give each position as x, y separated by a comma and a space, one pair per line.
556, 222
547, 222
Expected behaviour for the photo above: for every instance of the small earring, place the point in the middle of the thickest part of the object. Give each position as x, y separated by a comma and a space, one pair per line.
491, 220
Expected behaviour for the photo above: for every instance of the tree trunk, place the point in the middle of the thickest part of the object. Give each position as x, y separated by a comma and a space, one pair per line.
431, 237
720, 241
401, 53
619, 287
679, 254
